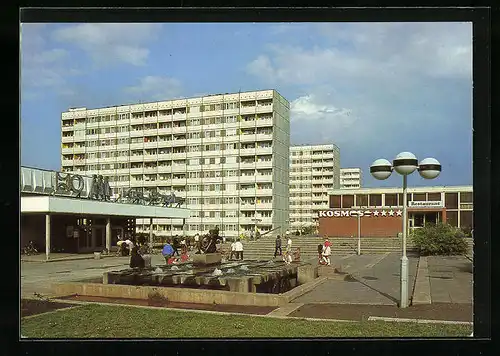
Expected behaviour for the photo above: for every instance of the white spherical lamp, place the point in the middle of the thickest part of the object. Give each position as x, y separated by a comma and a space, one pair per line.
381, 169
429, 168
405, 163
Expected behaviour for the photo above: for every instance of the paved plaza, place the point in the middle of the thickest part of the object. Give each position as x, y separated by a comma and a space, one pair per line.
370, 279
369, 284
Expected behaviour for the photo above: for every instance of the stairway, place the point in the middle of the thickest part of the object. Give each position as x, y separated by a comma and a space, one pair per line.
264, 248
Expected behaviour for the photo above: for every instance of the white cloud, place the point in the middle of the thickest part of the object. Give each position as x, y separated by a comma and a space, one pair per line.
307, 107
155, 88
41, 66
107, 43
371, 51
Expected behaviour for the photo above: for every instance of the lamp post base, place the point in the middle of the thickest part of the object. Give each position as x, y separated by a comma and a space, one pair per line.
404, 283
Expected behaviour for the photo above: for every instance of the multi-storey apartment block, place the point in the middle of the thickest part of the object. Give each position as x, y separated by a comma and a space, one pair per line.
314, 170
226, 154
350, 178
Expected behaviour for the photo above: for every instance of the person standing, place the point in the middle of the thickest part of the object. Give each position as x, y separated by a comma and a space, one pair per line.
197, 242
176, 244
289, 244
278, 246
167, 251
233, 250
327, 251
238, 247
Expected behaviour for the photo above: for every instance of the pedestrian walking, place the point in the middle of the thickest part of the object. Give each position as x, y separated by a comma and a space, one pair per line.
238, 247
278, 246
289, 245
327, 251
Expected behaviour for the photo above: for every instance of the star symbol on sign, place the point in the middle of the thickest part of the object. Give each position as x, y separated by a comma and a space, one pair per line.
375, 213
391, 213
384, 213
399, 213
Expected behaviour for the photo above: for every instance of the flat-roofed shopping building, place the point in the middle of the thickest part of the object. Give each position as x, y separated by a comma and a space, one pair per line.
381, 210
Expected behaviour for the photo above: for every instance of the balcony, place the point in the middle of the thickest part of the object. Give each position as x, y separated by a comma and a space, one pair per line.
264, 150
150, 144
264, 108
136, 170
164, 169
150, 158
264, 123
264, 178
137, 146
68, 150
150, 183
107, 160
247, 165
136, 133
245, 110
123, 146
264, 164
179, 143
247, 151
150, 132
151, 119
263, 137
67, 128
179, 130
264, 192
150, 170
248, 192
248, 138
178, 168
179, 155
67, 162
247, 179
247, 123
67, 139
247, 206
264, 206
165, 131
178, 181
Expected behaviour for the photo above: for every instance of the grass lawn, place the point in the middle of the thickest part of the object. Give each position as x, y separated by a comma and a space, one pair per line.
99, 321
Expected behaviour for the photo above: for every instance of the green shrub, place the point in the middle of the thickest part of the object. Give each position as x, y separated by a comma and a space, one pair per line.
440, 239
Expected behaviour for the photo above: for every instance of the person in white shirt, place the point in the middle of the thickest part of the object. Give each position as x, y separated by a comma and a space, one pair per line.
129, 244
197, 242
233, 250
289, 245
287, 257
238, 247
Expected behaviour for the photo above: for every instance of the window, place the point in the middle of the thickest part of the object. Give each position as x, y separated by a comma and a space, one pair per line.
451, 201
465, 219
419, 197
347, 201
452, 218
362, 200
466, 197
391, 200
212, 160
375, 200
335, 201
434, 196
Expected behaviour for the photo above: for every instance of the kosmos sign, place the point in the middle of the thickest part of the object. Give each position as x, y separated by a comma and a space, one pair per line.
356, 213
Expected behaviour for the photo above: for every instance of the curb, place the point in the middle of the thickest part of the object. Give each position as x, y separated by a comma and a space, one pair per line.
76, 258
419, 321
422, 287
81, 303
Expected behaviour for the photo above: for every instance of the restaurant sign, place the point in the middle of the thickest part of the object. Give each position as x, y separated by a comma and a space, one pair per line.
360, 213
426, 204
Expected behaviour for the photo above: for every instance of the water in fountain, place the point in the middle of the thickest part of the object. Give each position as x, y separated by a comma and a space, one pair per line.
244, 267
158, 270
230, 270
174, 268
217, 272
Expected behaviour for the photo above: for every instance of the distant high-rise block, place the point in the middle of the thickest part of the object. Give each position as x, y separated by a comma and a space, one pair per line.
314, 170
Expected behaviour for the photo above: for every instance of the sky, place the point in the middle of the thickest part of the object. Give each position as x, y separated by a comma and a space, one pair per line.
373, 89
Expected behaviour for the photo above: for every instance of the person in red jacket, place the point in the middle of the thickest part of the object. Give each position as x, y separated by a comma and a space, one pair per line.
327, 251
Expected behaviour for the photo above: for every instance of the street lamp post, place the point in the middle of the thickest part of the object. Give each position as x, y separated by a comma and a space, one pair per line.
359, 234
405, 163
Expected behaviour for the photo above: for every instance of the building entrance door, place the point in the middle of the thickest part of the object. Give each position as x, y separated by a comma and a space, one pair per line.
98, 237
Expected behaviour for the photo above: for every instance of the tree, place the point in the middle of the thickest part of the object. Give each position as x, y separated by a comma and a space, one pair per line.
440, 239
